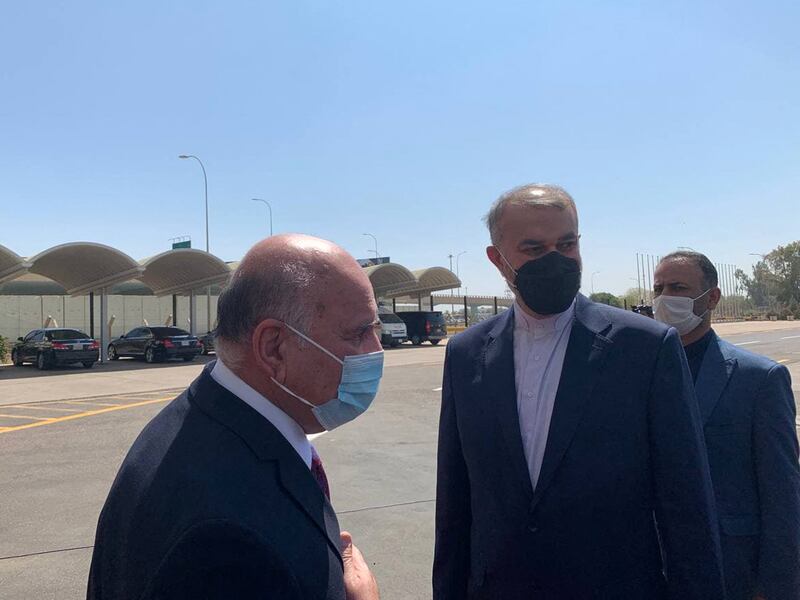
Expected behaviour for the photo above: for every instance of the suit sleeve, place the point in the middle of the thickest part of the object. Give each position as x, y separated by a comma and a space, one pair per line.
778, 474
685, 507
453, 515
218, 560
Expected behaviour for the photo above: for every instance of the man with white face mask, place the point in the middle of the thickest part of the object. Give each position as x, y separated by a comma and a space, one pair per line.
222, 495
748, 413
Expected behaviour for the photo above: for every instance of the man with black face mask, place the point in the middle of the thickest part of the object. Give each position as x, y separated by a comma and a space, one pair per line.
748, 412
571, 462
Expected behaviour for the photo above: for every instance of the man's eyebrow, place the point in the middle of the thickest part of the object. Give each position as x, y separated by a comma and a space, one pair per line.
564, 238
363, 327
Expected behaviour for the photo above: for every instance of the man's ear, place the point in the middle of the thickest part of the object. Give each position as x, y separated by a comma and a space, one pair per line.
267, 347
714, 296
494, 255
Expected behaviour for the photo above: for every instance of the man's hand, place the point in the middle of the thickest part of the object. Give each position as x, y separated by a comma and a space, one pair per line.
359, 583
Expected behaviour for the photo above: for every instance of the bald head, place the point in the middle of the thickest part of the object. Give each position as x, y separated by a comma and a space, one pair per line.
292, 278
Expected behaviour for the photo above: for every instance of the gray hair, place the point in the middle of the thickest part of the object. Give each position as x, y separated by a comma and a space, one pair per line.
532, 194
284, 291
701, 261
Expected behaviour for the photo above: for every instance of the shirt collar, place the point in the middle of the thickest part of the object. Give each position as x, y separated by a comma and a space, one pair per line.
541, 328
288, 427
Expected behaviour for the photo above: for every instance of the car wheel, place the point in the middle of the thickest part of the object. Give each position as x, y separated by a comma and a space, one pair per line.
112, 353
15, 358
435, 342
394, 344
88, 364
150, 355
415, 340
189, 358
41, 362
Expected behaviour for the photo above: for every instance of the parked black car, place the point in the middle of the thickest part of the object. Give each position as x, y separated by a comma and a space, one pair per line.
155, 344
207, 342
422, 326
55, 346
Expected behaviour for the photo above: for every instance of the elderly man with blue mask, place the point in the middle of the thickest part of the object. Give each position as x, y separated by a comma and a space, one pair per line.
748, 414
222, 495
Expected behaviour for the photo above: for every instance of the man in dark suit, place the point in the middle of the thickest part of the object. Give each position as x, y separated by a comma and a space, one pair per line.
570, 444
222, 496
748, 413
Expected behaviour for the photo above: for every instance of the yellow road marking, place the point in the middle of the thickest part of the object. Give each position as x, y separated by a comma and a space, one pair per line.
42, 407
25, 417
88, 402
89, 413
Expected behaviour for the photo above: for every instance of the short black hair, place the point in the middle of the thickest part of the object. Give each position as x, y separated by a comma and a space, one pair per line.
701, 261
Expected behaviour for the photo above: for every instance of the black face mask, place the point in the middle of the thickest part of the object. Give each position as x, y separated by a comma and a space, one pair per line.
549, 284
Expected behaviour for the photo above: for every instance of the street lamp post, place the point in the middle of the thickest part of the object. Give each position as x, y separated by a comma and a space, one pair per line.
205, 185
269, 206
593, 274
457, 271
374, 239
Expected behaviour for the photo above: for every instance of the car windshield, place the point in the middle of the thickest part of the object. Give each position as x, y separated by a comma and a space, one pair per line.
389, 318
164, 332
66, 334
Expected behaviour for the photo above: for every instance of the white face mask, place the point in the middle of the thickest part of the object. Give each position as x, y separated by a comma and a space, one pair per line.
678, 312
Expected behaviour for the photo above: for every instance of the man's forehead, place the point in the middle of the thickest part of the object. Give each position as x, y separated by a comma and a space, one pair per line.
678, 271
538, 222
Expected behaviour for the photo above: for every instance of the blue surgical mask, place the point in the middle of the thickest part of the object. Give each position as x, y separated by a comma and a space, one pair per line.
361, 376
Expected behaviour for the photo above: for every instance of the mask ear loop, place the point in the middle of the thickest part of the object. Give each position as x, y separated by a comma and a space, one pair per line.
310, 341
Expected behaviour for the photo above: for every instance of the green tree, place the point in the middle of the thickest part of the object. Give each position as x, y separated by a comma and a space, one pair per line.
775, 281
606, 298
632, 297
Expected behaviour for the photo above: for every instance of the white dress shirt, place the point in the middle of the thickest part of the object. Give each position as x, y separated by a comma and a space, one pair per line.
539, 349
287, 426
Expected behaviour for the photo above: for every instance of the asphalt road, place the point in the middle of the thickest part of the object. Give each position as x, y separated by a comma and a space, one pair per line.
63, 435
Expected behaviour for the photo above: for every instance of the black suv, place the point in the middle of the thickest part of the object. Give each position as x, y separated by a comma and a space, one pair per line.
156, 344
422, 326
55, 346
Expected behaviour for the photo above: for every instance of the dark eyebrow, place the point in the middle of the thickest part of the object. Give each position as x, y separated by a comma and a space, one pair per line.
569, 237
362, 328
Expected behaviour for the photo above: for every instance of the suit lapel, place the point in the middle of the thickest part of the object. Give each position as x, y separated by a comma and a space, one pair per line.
268, 444
715, 372
582, 365
499, 385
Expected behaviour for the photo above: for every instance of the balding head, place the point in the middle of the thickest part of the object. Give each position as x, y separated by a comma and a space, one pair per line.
286, 284
284, 277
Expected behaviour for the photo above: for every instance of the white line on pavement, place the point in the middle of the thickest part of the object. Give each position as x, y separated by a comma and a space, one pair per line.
791, 337
747, 343
437, 389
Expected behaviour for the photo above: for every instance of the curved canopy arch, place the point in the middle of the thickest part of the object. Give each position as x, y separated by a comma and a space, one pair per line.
389, 278
83, 267
11, 265
183, 270
435, 279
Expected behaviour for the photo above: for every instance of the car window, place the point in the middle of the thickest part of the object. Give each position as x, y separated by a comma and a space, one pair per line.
133, 333
66, 334
39, 336
162, 332
31, 335
389, 318
436, 319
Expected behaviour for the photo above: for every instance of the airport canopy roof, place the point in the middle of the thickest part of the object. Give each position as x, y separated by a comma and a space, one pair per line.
11, 265
183, 270
79, 268
83, 267
389, 278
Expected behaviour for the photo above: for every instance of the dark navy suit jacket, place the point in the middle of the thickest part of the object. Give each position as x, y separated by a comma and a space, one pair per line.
748, 413
625, 443
212, 502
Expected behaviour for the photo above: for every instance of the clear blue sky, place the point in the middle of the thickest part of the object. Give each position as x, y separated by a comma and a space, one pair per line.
672, 125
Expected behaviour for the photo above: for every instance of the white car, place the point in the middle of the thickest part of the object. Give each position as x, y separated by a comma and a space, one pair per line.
393, 329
